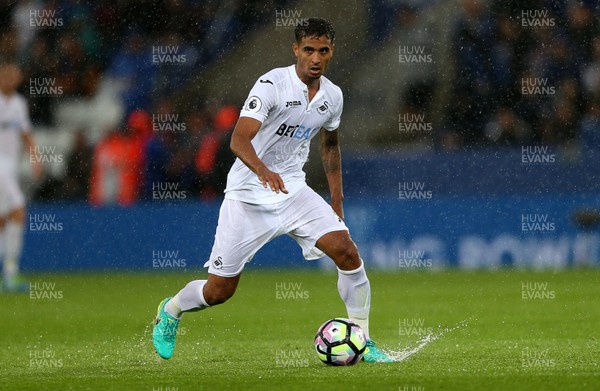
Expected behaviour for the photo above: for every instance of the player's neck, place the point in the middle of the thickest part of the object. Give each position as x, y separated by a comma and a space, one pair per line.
312, 84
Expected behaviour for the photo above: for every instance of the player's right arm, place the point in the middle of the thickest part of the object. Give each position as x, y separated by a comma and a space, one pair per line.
242, 147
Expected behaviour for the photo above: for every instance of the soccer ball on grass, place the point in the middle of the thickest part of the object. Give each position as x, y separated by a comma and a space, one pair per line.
340, 341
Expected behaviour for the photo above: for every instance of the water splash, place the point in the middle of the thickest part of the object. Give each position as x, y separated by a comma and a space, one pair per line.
404, 354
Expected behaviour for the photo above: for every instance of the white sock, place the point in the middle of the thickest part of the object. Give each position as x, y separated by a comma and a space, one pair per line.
13, 246
355, 291
190, 298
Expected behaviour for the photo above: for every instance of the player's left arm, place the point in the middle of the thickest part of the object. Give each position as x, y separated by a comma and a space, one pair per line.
29, 144
332, 164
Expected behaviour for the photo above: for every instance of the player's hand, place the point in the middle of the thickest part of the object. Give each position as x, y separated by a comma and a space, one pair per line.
272, 179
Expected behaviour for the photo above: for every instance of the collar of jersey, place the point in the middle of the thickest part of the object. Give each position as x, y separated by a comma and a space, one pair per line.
299, 83
304, 87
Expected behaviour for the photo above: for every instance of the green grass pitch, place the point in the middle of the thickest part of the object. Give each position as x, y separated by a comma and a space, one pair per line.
520, 331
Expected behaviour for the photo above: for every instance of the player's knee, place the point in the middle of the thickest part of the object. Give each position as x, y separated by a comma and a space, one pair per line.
348, 257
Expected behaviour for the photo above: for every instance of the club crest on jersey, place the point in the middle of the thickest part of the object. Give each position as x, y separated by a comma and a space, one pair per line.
299, 132
253, 104
218, 263
293, 103
323, 108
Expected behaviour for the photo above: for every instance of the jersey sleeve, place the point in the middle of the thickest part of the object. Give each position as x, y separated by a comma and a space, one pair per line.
334, 121
261, 99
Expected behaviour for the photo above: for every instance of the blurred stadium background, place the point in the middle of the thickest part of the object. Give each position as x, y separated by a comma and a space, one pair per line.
470, 134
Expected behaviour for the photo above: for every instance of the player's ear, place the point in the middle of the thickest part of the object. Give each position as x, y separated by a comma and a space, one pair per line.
295, 49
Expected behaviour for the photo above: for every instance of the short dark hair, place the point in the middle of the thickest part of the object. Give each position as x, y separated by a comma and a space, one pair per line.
314, 27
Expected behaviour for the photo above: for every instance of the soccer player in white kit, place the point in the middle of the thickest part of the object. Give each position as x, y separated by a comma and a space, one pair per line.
267, 195
15, 128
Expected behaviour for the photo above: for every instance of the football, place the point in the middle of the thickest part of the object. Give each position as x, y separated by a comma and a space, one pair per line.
340, 341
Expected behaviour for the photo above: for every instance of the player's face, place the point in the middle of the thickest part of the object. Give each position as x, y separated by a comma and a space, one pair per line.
313, 54
11, 77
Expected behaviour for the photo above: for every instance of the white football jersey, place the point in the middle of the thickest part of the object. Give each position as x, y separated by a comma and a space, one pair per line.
14, 120
279, 99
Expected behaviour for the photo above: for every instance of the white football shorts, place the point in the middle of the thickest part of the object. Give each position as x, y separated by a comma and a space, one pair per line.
244, 228
11, 196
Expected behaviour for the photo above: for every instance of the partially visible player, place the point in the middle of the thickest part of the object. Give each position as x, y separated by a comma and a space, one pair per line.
15, 133
267, 195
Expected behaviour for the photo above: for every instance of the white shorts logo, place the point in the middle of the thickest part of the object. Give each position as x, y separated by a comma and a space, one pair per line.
218, 263
253, 104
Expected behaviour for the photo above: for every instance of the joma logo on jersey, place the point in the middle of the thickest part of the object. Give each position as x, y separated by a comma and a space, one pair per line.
299, 132
293, 103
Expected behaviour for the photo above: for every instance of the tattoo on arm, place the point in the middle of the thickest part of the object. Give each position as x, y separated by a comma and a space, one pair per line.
330, 151
332, 164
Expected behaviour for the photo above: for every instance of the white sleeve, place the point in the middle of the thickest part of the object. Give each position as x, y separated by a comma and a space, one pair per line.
261, 99
334, 121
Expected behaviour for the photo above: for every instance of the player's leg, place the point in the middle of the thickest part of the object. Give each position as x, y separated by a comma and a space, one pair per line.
195, 296
242, 230
12, 231
353, 284
238, 238
200, 294
319, 230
